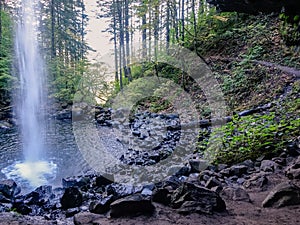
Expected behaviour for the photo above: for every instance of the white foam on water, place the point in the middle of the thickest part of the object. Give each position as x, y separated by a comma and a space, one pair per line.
33, 174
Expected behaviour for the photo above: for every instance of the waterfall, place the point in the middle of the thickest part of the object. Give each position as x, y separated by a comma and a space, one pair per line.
31, 75
30, 102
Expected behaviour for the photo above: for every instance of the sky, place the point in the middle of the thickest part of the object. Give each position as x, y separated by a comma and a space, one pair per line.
96, 39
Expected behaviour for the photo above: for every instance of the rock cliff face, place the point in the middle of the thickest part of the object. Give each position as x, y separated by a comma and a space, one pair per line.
255, 6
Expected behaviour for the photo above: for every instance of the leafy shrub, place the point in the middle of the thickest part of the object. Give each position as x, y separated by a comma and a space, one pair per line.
290, 29
6, 79
249, 137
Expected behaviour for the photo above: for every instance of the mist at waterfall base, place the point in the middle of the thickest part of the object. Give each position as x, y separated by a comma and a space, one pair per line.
35, 170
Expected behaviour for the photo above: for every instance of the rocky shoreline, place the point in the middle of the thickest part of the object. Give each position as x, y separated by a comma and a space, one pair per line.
95, 197
196, 190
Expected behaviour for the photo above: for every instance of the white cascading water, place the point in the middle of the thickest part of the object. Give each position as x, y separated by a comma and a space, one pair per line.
31, 100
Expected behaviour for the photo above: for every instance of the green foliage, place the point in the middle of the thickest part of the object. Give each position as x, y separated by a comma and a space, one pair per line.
65, 79
211, 28
93, 88
152, 104
290, 29
135, 91
5, 57
249, 137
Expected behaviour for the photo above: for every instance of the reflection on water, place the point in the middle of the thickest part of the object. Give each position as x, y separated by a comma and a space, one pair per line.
61, 158
33, 174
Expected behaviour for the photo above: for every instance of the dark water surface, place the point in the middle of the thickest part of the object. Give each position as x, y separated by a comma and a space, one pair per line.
61, 152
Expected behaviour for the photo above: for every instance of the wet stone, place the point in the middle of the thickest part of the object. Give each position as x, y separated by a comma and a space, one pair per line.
131, 206
105, 179
102, 205
283, 194
9, 188
162, 195
71, 198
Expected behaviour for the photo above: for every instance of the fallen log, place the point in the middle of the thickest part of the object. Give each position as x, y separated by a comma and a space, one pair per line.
290, 70
219, 121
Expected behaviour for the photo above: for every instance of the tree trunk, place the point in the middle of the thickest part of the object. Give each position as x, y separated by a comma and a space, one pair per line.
115, 40
182, 21
53, 51
121, 42
0, 23
82, 30
127, 39
144, 35
168, 27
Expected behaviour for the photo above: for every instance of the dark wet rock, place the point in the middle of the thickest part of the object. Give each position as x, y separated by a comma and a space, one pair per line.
280, 161
136, 133
4, 208
183, 171
238, 170
71, 198
207, 174
9, 188
75, 181
268, 166
131, 206
162, 195
105, 179
172, 181
283, 194
65, 114
22, 208
213, 182
4, 199
190, 198
119, 190
86, 218
102, 205
198, 165
293, 171
41, 196
193, 177
240, 181
235, 194
222, 167
249, 163
293, 149
259, 180
217, 189
71, 212
225, 172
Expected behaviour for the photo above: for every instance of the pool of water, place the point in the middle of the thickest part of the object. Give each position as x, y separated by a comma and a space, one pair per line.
61, 157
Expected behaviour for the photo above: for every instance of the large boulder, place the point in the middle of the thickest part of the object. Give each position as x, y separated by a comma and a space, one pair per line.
119, 190
40, 196
283, 194
76, 181
190, 198
162, 195
293, 171
102, 205
131, 206
105, 179
71, 198
9, 188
